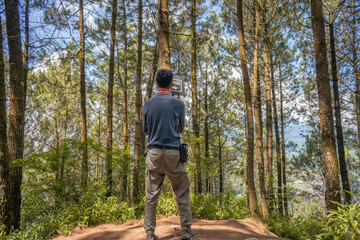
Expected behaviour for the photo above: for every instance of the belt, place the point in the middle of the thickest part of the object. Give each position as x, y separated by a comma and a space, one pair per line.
163, 147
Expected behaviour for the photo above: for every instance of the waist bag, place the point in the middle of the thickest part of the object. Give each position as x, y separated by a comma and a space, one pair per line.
183, 148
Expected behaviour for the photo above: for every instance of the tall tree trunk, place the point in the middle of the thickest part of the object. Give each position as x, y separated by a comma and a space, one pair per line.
138, 128
125, 164
356, 70
206, 131
154, 65
99, 143
195, 120
109, 142
63, 158
221, 178
57, 156
338, 124
5, 197
17, 106
269, 134
258, 119
164, 50
84, 152
283, 157
249, 116
332, 181
27, 45
277, 139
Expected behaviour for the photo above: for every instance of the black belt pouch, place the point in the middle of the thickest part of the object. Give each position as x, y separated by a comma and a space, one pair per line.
183, 148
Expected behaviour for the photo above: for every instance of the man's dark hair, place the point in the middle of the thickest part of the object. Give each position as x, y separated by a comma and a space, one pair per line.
164, 78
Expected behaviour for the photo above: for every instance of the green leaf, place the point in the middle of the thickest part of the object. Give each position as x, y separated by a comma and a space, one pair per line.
353, 212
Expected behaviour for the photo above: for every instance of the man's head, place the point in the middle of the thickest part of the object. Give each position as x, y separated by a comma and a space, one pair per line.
164, 78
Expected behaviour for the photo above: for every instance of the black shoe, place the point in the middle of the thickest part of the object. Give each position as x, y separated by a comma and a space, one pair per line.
187, 234
151, 236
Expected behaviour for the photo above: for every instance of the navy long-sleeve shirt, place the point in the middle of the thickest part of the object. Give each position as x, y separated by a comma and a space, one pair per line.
163, 120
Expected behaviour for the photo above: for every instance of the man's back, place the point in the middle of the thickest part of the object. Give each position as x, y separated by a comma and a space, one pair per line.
163, 120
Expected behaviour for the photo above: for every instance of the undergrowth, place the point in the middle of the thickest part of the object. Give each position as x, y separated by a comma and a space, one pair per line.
63, 221
44, 222
343, 223
306, 219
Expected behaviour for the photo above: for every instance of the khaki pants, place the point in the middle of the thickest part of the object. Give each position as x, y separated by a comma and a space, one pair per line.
161, 162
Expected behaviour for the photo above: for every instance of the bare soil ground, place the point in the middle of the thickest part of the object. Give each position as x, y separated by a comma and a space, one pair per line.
169, 228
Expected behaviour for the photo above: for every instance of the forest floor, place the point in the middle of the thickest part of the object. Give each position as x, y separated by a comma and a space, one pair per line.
169, 228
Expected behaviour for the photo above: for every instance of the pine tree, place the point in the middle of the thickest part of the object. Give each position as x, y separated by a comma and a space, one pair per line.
283, 157
17, 106
84, 151
164, 50
109, 142
277, 141
332, 181
5, 197
153, 68
258, 117
125, 164
338, 124
269, 133
249, 116
138, 126
194, 106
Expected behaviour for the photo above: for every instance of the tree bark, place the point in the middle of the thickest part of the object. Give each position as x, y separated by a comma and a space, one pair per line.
154, 65
84, 152
249, 116
338, 124
206, 131
164, 50
258, 119
269, 134
57, 156
99, 143
356, 71
138, 127
109, 142
63, 158
332, 181
277, 143
27, 45
283, 157
17, 106
195, 120
5, 197
221, 179
125, 164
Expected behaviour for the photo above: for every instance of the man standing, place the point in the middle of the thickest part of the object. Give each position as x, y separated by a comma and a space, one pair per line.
163, 121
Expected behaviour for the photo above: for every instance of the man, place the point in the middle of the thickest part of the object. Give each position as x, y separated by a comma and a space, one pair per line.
163, 121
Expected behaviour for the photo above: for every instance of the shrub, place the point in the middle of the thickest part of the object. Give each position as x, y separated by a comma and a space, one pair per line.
167, 205
344, 223
100, 211
305, 220
225, 206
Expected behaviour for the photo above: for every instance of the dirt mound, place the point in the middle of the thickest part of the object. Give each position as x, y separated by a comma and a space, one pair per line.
169, 228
